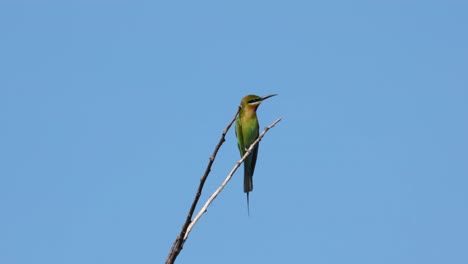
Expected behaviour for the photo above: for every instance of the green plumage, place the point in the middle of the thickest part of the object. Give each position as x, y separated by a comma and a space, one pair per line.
247, 131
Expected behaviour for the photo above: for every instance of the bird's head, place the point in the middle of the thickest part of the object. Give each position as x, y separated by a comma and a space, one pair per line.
253, 101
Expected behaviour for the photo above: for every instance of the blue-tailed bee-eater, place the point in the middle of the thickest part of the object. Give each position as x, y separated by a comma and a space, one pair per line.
247, 130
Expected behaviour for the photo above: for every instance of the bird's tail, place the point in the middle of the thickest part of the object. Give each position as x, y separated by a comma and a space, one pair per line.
248, 207
248, 183
248, 187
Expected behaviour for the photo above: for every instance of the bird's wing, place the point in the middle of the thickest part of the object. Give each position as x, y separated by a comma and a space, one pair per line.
240, 138
254, 157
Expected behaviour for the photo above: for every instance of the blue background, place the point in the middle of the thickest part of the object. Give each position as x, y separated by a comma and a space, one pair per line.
109, 111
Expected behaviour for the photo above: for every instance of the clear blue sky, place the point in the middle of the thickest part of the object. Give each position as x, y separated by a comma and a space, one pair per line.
109, 111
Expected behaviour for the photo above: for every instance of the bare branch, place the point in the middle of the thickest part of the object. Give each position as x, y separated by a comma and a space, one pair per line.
188, 225
180, 240
228, 178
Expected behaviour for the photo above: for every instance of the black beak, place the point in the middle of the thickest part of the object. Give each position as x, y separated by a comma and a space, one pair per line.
268, 96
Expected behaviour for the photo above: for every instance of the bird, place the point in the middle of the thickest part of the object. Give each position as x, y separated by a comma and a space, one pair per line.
247, 132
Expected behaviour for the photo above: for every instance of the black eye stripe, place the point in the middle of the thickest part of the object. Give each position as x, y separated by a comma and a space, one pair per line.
254, 100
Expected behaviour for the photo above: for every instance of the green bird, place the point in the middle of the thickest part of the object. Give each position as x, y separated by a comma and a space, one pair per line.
247, 133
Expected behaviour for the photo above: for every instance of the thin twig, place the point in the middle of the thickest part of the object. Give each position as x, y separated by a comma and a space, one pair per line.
228, 178
180, 240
